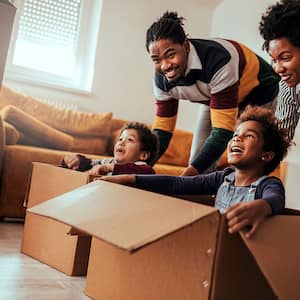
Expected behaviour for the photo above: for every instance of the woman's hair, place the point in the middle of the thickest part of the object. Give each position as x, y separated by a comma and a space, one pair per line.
281, 20
275, 138
169, 26
148, 140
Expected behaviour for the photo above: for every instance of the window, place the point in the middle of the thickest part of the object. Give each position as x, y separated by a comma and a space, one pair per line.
55, 42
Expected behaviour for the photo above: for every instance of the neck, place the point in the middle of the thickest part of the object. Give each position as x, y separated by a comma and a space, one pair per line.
246, 177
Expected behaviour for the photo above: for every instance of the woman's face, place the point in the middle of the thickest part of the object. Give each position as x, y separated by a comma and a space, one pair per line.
285, 60
169, 59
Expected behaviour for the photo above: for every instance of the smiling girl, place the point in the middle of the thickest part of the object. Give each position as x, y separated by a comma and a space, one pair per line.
256, 149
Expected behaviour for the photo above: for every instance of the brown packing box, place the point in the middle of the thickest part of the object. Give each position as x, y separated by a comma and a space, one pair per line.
145, 245
46, 239
7, 15
150, 246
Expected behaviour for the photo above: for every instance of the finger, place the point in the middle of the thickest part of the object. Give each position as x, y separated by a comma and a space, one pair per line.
253, 229
238, 218
238, 226
235, 210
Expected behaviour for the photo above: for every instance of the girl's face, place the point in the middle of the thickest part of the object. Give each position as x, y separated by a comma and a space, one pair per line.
245, 149
169, 59
285, 60
128, 147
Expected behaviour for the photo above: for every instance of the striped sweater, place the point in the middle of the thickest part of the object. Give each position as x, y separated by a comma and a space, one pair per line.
220, 73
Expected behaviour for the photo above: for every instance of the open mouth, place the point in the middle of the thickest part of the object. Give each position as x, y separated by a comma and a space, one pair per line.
236, 149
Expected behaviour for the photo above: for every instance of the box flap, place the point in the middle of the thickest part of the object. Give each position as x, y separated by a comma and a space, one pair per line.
276, 248
48, 181
289, 173
124, 216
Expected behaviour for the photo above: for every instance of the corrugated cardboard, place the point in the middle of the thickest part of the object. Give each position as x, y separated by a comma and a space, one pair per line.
49, 240
267, 266
145, 245
149, 246
290, 174
7, 15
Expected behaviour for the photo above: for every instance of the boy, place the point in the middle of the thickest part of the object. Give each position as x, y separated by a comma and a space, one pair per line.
134, 153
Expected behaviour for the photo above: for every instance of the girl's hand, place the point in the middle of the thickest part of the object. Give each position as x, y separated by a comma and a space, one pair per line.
244, 214
121, 179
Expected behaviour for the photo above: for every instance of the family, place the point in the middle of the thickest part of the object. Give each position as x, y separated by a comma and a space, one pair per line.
249, 108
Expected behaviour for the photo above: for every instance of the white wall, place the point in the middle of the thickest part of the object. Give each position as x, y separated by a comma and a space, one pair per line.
123, 70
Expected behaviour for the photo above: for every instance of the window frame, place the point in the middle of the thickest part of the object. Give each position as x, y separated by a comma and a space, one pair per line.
82, 80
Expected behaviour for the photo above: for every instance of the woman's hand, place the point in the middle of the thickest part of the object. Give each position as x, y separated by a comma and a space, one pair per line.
245, 214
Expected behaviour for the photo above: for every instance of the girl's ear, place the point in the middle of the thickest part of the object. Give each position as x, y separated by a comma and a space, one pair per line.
268, 156
144, 155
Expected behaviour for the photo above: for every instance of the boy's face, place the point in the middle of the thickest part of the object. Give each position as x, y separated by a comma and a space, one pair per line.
169, 59
285, 60
128, 147
245, 149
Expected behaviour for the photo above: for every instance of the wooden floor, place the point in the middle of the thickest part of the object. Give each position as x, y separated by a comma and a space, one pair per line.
23, 278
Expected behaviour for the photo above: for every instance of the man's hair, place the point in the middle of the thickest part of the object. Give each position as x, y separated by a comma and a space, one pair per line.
148, 140
281, 20
169, 26
275, 138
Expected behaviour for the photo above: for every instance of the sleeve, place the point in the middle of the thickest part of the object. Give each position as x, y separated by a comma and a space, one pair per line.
223, 114
180, 185
288, 109
165, 122
131, 168
272, 191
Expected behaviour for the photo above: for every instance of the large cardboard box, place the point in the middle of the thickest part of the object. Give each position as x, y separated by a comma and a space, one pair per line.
7, 15
49, 240
145, 245
150, 246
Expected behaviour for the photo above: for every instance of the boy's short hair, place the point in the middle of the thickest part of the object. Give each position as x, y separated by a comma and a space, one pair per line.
275, 138
148, 140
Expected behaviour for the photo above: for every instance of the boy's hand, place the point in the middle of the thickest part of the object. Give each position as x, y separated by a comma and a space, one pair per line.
244, 214
72, 161
121, 179
101, 169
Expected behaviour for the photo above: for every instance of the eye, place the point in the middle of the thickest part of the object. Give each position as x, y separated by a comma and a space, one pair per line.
249, 136
286, 58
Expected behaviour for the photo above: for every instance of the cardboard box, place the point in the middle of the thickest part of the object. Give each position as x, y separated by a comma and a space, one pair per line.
145, 245
48, 240
7, 15
150, 246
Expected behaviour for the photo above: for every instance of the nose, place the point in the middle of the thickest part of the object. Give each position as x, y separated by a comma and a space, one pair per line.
237, 138
278, 67
165, 65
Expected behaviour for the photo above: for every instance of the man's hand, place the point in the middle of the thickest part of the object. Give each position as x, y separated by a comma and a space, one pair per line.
244, 214
190, 171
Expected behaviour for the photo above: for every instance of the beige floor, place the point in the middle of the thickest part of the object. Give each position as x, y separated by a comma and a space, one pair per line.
23, 278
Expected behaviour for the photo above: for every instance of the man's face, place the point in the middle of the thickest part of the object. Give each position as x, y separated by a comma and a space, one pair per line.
285, 60
169, 59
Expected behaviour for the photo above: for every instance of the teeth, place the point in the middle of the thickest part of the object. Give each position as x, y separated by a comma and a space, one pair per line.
236, 149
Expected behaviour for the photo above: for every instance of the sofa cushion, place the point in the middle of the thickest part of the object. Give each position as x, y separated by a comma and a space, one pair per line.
67, 120
36, 132
12, 135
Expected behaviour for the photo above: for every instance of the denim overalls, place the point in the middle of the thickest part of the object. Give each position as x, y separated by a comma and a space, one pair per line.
229, 194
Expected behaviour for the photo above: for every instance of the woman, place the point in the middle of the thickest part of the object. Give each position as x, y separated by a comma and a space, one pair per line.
280, 29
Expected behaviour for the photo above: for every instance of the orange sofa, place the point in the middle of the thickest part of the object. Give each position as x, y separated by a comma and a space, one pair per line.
32, 130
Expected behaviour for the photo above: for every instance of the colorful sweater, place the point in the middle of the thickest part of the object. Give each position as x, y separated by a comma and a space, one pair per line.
223, 74
270, 188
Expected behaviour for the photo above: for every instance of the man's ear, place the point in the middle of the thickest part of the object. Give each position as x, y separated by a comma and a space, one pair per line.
186, 45
268, 156
144, 156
